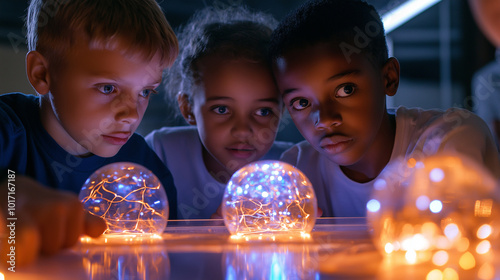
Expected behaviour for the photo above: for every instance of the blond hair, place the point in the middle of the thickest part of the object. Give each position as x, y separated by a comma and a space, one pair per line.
53, 27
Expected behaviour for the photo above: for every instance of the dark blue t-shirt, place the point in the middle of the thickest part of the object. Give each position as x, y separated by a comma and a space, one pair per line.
28, 149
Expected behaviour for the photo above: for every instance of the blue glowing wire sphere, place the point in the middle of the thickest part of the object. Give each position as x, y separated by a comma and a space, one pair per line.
269, 197
128, 196
443, 209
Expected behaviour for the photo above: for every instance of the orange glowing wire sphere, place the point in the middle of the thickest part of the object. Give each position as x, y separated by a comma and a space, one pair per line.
269, 197
129, 197
443, 209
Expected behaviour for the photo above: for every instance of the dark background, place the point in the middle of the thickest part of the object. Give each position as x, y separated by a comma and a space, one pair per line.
439, 50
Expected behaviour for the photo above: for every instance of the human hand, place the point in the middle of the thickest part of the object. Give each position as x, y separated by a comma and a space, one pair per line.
47, 220
217, 214
319, 213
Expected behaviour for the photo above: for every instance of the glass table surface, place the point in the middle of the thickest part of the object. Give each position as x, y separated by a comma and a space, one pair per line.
337, 248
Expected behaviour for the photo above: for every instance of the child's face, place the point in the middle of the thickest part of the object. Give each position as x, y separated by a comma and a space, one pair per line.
237, 111
337, 106
98, 99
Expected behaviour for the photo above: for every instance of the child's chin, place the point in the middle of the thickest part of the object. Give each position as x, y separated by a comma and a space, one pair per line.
238, 163
106, 152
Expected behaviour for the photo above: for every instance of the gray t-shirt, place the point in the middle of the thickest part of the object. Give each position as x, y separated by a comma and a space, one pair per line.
486, 94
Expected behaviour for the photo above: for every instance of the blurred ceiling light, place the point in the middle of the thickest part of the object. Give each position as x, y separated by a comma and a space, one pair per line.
404, 12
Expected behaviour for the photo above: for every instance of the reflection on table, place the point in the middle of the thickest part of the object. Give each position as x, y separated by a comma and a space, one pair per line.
134, 262
338, 248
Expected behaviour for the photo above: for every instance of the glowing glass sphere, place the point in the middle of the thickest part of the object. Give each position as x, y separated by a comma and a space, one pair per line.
443, 209
269, 197
129, 197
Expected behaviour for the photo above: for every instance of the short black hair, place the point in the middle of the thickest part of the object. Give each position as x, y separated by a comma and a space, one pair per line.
239, 39
232, 32
354, 25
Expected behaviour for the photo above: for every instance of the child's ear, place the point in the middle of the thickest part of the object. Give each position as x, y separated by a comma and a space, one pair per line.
185, 107
390, 72
38, 72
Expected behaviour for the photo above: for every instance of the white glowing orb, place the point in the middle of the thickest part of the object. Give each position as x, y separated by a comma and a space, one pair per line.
269, 197
442, 203
129, 197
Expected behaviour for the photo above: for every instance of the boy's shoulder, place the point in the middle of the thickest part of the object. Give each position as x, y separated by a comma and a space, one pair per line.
492, 68
18, 111
18, 103
439, 125
452, 117
427, 132
486, 80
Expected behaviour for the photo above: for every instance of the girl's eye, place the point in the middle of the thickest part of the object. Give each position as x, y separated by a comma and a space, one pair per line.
345, 91
299, 104
106, 89
221, 110
147, 92
263, 112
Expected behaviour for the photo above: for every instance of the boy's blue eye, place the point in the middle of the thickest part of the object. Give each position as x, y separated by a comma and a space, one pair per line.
106, 89
345, 90
221, 110
263, 112
299, 104
147, 92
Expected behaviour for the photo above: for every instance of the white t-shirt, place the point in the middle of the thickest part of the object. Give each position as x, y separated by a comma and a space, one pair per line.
486, 93
419, 133
199, 194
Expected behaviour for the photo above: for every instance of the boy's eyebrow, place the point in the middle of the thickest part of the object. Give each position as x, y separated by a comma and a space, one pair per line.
288, 90
218, 98
332, 78
215, 98
157, 83
117, 78
343, 74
